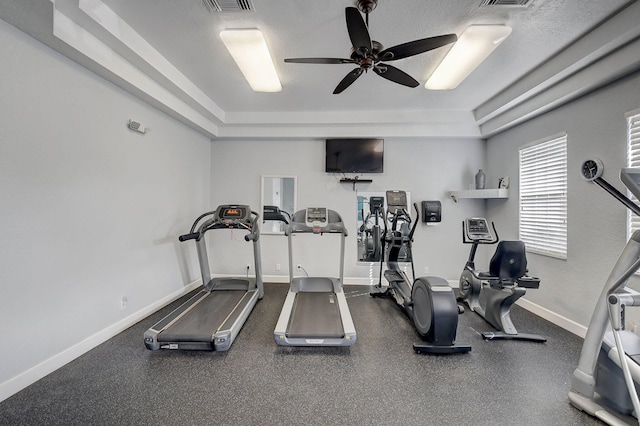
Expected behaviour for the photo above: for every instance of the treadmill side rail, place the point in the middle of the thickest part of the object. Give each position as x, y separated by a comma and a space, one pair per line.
347, 321
282, 337
229, 330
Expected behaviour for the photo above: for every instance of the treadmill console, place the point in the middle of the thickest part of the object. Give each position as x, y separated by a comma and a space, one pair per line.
477, 229
231, 215
396, 200
316, 217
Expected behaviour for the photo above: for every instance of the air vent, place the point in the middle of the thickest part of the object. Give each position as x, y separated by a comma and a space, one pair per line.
228, 5
510, 3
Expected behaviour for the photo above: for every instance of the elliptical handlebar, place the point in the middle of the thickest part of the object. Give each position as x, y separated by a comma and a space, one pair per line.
415, 223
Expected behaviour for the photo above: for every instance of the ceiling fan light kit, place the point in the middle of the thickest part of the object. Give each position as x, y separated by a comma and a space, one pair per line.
368, 54
474, 45
250, 52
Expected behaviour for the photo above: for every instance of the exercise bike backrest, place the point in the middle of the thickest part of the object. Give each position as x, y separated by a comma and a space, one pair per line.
509, 262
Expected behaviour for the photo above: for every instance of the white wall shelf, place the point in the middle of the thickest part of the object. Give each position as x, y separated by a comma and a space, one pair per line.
479, 193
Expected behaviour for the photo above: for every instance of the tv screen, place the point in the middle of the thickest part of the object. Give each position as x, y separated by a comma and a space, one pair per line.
354, 155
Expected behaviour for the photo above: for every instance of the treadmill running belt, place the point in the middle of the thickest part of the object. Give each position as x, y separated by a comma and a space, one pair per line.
315, 315
204, 319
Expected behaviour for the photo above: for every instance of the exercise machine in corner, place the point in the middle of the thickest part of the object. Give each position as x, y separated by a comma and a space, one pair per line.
491, 294
315, 311
370, 244
429, 301
606, 380
212, 318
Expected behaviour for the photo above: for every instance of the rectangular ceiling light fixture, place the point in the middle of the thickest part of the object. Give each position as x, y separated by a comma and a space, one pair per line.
249, 49
474, 46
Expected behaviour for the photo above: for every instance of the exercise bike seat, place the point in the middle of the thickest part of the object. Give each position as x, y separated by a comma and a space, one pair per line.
509, 265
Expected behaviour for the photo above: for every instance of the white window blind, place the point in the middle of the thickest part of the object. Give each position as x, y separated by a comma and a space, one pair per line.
633, 160
543, 197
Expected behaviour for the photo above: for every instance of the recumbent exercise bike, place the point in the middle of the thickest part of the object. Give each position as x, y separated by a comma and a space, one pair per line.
491, 294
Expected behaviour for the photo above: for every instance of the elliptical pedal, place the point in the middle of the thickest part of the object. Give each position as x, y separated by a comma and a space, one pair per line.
393, 276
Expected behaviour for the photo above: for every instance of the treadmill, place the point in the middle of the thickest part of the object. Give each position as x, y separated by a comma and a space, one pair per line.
315, 311
212, 318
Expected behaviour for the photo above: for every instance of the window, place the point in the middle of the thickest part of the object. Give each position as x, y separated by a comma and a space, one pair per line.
633, 160
543, 197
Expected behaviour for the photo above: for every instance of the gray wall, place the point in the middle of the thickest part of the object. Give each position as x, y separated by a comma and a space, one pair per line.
595, 127
90, 209
428, 169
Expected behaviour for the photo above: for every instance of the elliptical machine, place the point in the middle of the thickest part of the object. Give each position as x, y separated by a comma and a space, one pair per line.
371, 238
606, 380
429, 301
491, 294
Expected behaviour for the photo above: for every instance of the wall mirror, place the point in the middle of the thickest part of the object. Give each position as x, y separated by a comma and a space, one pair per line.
279, 192
370, 223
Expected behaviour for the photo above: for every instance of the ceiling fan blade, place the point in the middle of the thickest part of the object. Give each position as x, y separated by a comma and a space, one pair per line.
320, 61
395, 75
416, 47
358, 32
346, 82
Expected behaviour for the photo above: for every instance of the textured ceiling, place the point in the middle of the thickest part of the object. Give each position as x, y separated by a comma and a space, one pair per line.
187, 34
169, 53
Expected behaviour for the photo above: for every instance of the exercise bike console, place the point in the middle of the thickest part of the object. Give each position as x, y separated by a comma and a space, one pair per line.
478, 230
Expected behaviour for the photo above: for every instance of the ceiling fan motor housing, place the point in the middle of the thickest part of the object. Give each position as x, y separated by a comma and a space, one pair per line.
366, 6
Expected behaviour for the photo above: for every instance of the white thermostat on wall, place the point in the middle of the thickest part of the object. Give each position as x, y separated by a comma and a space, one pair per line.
136, 126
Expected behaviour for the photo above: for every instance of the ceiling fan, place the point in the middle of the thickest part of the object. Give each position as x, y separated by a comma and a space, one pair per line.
369, 54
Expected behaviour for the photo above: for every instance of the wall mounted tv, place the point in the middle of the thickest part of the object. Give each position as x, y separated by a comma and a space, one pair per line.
354, 155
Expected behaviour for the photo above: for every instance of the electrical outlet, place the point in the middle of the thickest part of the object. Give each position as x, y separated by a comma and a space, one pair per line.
426, 269
248, 266
123, 303
277, 266
299, 266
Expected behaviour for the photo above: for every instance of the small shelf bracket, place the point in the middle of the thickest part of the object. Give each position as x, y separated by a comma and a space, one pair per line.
355, 180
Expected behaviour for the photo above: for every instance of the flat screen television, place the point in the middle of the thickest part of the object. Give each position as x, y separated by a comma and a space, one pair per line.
363, 155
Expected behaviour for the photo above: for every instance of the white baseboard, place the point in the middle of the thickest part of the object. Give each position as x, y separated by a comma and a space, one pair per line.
563, 322
37, 372
347, 280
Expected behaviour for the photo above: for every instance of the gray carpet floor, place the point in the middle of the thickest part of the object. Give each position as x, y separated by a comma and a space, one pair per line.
377, 381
